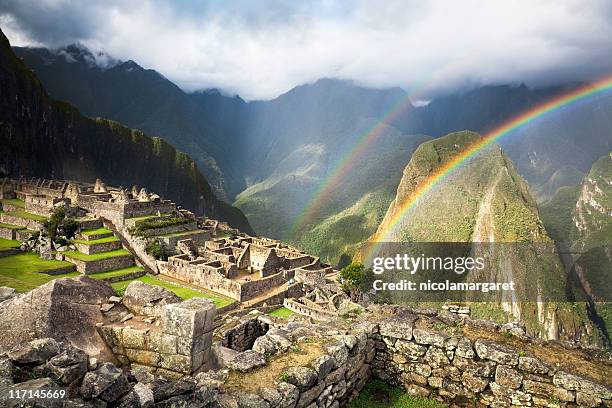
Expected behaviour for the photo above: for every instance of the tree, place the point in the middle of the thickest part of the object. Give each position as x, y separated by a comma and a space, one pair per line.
58, 224
352, 276
157, 250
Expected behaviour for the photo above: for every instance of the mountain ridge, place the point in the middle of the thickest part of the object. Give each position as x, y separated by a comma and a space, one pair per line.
44, 137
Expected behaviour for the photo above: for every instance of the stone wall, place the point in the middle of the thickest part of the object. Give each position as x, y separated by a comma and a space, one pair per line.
97, 248
171, 229
317, 314
7, 233
22, 222
179, 346
436, 360
111, 211
203, 276
254, 288
102, 265
241, 335
136, 245
198, 237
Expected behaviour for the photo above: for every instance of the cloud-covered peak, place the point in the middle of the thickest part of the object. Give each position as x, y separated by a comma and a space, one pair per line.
262, 49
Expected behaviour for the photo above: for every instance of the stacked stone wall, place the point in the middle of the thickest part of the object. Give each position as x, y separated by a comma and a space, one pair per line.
179, 346
431, 362
22, 222
97, 248
203, 276
102, 265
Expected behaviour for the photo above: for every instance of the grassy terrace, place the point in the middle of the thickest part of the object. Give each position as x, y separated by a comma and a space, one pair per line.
26, 215
117, 272
97, 231
8, 244
96, 241
10, 226
182, 292
179, 234
281, 312
14, 201
146, 217
96, 257
23, 271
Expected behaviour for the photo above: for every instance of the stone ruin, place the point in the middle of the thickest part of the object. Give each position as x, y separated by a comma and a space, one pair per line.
254, 271
255, 360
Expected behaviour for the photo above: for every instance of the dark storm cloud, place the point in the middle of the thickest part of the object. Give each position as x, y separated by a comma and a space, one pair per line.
262, 48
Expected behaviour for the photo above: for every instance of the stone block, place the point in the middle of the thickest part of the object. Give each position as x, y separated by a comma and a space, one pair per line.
190, 318
200, 358
323, 366
412, 350
508, 377
398, 327
175, 362
134, 338
532, 365
586, 400
436, 357
489, 350
301, 377
573, 382
162, 342
429, 337
464, 348
548, 390
420, 369
191, 345
473, 383
149, 358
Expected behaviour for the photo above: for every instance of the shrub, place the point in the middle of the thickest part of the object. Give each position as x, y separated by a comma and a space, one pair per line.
157, 250
58, 224
352, 276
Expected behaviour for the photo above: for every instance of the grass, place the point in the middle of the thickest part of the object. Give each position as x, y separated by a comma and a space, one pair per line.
116, 272
182, 292
96, 257
281, 312
377, 394
179, 234
23, 271
96, 241
97, 231
146, 217
9, 244
26, 215
10, 226
14, 201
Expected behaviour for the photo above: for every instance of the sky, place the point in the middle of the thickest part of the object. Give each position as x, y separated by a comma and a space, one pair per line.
260, 49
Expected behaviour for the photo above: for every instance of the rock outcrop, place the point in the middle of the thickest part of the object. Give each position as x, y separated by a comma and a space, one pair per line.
63, 309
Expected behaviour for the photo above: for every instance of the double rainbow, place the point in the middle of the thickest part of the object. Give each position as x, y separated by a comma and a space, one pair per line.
386, 231
343, 167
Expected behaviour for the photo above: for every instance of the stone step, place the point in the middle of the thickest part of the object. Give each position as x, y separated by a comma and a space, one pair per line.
119, 275
89, 223
9, 231
102, 262
134, 221
96, 246
199, 237
23, 219
95, 234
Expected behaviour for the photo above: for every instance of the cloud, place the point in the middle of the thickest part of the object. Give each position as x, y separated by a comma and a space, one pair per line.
261, 49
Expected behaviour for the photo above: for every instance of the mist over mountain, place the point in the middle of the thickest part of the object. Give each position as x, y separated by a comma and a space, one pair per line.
287, 162
142, 99
43, 137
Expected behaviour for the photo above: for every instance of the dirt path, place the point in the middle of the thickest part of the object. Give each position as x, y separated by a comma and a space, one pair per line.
483, 228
